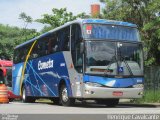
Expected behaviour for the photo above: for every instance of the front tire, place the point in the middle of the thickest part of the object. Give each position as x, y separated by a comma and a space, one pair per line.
65, 100
26, 99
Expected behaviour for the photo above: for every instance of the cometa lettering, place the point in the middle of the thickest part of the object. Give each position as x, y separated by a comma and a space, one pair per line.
45, 65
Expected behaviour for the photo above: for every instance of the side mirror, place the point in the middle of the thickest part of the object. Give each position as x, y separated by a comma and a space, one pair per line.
81, 47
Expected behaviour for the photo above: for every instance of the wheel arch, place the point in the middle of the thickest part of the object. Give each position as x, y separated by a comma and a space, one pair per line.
68, 85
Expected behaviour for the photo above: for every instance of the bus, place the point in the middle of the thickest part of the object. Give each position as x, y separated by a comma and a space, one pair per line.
6, 77
85, 59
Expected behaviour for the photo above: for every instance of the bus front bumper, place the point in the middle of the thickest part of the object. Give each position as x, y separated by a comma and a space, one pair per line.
104, 92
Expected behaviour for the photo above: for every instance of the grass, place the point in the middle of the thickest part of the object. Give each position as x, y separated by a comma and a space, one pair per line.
150, 96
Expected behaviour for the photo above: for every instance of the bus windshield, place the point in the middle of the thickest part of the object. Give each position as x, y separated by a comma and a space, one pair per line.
114, 58
111, 32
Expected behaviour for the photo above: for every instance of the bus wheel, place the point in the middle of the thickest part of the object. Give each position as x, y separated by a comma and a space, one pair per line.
64, 98
109, 102
11, 99
26, 99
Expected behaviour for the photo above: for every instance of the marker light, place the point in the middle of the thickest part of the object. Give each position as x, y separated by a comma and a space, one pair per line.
93, 84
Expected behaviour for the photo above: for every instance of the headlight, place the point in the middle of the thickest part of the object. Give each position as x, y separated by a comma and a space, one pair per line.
93, 84
138, 86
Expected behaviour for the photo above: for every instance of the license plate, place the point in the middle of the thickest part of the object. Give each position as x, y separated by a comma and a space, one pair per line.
117, 93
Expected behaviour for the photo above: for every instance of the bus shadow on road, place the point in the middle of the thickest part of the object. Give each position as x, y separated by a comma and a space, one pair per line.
139, 105
120, 105
84, 104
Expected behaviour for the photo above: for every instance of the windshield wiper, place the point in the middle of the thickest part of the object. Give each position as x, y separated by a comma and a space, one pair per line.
109, 65
128, 67
116, 61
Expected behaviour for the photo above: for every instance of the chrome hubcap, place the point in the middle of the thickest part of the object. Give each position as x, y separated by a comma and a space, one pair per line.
64, 95
24, 96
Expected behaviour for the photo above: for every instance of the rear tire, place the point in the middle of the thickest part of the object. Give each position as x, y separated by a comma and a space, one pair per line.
26, 99
109, 102
11, 99
65, 100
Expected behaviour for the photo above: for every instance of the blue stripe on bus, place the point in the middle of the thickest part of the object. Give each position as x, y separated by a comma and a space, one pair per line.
34, 87
112, 22
114, 82
16, 78
36, 79
41, 79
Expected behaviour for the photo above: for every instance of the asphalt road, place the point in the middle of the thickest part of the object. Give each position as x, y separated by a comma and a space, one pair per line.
48, 108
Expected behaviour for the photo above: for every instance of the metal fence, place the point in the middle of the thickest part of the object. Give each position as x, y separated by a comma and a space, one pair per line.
152, 78
152, 84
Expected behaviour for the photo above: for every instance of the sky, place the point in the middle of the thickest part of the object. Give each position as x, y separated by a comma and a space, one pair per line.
10, 9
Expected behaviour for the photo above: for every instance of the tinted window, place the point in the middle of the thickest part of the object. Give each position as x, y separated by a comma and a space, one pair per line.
15, 58
45, 46
53, 43
64, 36
76, 39
56, 41
21, 53
42, 47
112, 32
34, 53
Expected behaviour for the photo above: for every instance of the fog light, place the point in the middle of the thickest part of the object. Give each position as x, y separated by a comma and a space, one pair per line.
89, 92
140, 93
92, 92
92, 84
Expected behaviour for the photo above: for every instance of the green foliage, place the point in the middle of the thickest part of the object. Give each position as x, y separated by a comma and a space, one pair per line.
11, 37
150, 61
25, 18
58, 18
143, 13
150, 96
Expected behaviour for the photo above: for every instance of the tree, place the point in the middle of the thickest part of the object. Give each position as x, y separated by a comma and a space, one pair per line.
27, 34
6, 41
10, 37
144, 14
58, 18
26, 19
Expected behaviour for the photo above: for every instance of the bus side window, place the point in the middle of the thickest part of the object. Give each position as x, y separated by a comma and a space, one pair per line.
53, 43
19, 55
22, 53
66, 43
63, 36
34, 53
15, 58
42, 47
50, 46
